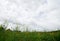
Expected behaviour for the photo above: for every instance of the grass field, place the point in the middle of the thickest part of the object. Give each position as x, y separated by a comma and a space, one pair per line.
8, 35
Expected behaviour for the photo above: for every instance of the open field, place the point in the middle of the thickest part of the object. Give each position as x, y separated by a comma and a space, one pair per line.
8, 35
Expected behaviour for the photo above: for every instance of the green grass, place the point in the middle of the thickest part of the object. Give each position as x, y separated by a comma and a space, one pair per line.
8, 35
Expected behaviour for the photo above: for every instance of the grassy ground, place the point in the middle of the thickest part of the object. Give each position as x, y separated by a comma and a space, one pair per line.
8, 35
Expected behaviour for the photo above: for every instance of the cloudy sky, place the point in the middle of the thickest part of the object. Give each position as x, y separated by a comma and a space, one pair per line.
39, 15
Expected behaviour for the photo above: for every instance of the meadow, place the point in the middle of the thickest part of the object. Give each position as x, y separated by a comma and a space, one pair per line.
8, 35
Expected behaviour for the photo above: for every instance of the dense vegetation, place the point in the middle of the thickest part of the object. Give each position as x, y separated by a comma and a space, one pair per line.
8, 35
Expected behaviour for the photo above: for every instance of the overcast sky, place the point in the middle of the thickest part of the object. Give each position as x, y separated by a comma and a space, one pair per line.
39, 15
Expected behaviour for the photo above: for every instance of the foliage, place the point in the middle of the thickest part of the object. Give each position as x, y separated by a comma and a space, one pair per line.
8, 35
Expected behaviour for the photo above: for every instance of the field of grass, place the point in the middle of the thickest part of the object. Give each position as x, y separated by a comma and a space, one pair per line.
8, 35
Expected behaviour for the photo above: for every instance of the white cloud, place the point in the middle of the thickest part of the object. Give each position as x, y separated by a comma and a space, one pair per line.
37, 14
